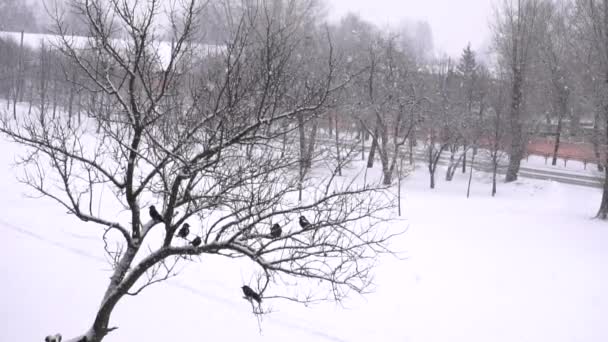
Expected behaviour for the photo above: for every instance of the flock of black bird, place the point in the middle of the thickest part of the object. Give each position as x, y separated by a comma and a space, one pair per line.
184, 232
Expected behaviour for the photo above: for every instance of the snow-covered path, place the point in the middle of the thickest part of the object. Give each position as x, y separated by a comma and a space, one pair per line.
529, 265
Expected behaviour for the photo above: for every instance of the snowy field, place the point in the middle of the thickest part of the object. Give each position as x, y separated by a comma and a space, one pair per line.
528, 265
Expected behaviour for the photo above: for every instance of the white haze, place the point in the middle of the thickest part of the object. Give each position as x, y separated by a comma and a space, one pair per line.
454, 22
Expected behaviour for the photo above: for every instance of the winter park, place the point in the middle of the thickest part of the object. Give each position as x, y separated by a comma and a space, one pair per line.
304, 170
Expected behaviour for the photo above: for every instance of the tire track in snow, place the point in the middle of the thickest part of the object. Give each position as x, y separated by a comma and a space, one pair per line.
39, 237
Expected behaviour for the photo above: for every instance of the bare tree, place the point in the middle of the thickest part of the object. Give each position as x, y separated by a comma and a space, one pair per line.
439, 117
554, 52
588, 76
475, 128
593, 27
353, 37
18, 80
391, 99
201, 139
495, 126
515, 30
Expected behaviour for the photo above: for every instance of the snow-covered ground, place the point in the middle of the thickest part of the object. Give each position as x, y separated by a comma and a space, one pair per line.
528, 265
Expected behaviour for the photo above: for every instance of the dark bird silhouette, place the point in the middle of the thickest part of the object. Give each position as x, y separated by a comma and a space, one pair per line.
53, 338
250, 294
184, 231
197, 241
155, 215
276, 231
304, 222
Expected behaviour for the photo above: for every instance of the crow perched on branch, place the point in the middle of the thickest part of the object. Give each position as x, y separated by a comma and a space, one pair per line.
184, 231
53, 338
197, 241
304, 222
276, 231
155, 215
250, 294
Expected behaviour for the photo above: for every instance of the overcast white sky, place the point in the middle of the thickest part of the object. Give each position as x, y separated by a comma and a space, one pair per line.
454, 22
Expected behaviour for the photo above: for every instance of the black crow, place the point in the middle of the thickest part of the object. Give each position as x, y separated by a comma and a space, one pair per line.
304, 222
197, 241
53, 338
184, 231
276, 231
250, 294
155, 215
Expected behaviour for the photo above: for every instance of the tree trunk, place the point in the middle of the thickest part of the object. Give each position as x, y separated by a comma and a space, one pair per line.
516, 153
470, 175
19, 80
387, 175
362, 132
302, 154
70, 104
362, 149
31, 101
79, 108
596, 138
494, 172
449, 174
399, 175
302, 136
387, 170
55, 90
411, 147
9, 88
113, 294
432, 167
43, 83
310, 149
603, 211
372, 151
338, 157
558, 135
464, 159
284, 126
495, 148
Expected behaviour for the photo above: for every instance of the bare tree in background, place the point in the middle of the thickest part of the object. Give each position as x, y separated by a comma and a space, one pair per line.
515, 29
391, 99
475, 129
592, 17
467, 70
439, 126
554, 52
353, 38
496, 124
200, 138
